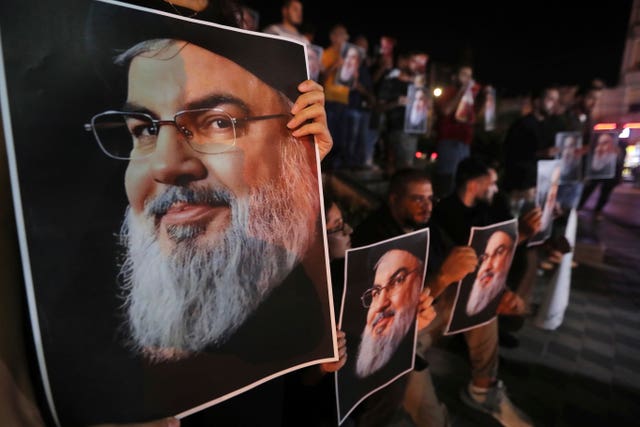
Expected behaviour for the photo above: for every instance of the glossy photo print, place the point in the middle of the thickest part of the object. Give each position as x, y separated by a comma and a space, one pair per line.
171, 224
478, 294
383, 282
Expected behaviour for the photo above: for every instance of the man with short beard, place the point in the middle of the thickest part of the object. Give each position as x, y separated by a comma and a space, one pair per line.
473, 204
392, 302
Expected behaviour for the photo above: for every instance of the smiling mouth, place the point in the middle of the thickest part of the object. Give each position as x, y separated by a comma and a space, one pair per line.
187, 213
382, 321
485, 279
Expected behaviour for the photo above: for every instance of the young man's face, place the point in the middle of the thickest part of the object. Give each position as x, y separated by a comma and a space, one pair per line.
293, 13
549, 102
413, 208
464, 76
488, 186
197, 78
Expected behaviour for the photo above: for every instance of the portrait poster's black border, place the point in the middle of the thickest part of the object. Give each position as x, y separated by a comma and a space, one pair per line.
459, 321
352, 391
69, 201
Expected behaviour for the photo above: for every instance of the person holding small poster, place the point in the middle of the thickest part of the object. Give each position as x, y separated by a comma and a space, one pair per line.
456, 111
477, 297
473, 204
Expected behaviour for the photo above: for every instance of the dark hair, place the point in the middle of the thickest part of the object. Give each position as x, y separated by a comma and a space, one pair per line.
402, 178
508, 231
470, 168
540, 91
594, 85
287, 3
328, 199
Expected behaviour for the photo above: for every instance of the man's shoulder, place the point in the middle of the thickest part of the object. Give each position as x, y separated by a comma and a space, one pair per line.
279, 30
378, 225
272, 29
446, 206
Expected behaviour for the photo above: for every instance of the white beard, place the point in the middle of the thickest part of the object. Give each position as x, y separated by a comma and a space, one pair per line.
479, 298
416, 116
374, 353
198, 294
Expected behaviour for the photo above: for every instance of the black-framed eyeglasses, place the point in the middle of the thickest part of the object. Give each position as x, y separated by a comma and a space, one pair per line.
422, 200
131, 135
394, 284
499, 251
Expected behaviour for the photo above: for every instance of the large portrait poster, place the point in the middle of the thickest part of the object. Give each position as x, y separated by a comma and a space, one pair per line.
382, 288
478, 294
603, 155
170, 225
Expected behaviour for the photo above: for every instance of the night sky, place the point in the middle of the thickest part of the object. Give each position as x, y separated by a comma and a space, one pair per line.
514, 46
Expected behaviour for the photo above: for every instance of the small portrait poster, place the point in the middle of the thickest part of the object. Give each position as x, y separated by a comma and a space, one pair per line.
165, 272
548, 181
478, 294
382, 288
603, 155
489, 108
570, 154
352, 56
314, 60
416, 111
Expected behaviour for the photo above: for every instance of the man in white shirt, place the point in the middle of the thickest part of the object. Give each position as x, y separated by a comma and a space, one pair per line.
291, 20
